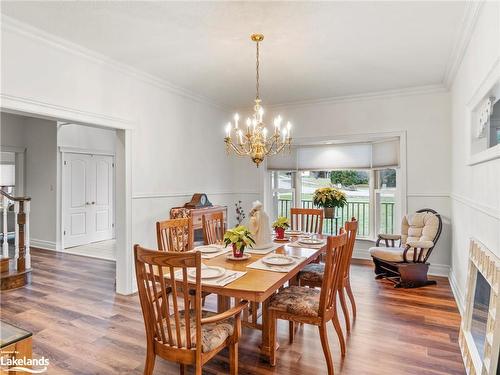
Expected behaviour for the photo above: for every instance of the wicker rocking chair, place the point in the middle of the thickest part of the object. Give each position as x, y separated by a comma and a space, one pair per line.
406, 265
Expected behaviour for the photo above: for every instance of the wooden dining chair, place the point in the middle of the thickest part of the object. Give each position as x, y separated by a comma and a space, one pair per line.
312, 274
312, 306
176, 329
307, 220
213, 228
175, 234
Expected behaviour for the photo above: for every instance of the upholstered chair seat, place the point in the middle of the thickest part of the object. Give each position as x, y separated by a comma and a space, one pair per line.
395, 254
212, 334
312, 273
297, 300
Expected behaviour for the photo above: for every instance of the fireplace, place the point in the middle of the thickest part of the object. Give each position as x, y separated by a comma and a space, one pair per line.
480, 329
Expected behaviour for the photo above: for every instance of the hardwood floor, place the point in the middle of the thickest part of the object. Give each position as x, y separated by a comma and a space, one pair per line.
83, 327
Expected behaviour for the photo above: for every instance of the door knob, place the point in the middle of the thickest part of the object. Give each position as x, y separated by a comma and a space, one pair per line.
87, 203
93, 202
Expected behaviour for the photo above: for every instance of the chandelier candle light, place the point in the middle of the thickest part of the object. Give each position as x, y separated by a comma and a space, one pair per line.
255, 140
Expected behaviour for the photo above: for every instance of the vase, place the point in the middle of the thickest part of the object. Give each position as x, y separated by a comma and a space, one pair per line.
238, 253
280, 233
329, 212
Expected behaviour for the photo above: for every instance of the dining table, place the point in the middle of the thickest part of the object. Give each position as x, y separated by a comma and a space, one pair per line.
258, 285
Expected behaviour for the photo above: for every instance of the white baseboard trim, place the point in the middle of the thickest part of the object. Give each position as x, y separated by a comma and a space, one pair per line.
434, 270
457, 293
42, 244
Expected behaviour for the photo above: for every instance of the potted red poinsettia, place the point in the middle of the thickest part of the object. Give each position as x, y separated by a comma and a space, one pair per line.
240, 237
280, 225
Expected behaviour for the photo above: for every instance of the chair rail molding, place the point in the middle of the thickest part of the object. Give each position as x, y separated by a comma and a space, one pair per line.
485, 209
162, 195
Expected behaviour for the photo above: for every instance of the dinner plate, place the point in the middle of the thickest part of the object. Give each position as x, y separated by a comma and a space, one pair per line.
207, 249
281, 239
278, 260
310, 241
209, 272
293, 232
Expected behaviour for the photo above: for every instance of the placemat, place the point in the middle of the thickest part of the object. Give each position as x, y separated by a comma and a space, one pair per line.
264, 251
259, 265
223, 250
297, 244
225, 279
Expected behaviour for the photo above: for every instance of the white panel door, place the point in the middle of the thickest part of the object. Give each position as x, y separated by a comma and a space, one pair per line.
88, 196
102, 205
76, 200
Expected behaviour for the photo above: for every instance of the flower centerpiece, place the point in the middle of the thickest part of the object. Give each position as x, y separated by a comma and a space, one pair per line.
280, 225
240, 237
329, 198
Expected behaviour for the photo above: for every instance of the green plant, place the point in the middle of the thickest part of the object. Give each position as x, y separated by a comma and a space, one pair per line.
329, 197
281, 222
240, 236
349, 177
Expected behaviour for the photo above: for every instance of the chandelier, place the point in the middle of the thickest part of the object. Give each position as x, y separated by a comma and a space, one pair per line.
256, 140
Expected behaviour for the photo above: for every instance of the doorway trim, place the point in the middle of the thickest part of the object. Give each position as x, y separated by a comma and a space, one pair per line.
125, 281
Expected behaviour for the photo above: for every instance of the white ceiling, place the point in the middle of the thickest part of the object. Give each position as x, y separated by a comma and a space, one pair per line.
311, 50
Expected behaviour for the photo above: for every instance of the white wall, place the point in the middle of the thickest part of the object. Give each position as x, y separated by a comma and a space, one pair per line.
39, 138
424, 117
86, 138
475, 189
177, 139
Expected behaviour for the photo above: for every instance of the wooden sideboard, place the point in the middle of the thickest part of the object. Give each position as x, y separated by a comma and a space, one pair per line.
196, 214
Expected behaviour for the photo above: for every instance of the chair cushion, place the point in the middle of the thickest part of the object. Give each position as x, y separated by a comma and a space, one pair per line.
297, 300
212, 335
391, 254
420, 226
313, 272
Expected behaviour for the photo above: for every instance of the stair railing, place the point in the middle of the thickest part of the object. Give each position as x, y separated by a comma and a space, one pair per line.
22, 238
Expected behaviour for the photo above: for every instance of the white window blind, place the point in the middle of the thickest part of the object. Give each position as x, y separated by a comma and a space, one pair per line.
353, 156
381, 154
385, 154
285, 161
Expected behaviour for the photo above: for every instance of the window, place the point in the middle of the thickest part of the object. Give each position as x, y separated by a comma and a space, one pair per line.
385, 200
283, 192
371, 197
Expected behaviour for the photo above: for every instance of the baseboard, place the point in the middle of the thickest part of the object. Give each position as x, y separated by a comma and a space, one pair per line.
434, 269
442, 270
42, 244
457, 293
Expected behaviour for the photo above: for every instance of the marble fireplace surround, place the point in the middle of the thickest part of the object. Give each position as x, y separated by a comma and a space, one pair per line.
479, 337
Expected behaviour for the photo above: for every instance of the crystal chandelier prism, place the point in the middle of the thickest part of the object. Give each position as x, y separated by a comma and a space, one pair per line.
256, 140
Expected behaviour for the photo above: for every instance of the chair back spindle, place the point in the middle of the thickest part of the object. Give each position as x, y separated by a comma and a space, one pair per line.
307, 220
351, 229
213, 228
175, 234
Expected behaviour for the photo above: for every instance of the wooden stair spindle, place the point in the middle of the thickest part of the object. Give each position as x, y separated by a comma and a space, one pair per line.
16, 272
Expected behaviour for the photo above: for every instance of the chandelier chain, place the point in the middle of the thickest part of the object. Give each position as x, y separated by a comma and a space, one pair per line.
257, 96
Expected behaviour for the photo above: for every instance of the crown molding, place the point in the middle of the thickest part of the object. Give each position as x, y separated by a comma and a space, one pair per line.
463, 38
22, 106
408, 91
21, 28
